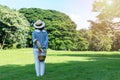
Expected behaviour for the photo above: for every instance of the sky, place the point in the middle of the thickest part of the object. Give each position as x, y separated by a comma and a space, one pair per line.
78, 10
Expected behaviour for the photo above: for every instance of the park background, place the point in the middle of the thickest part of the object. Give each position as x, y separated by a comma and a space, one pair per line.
90, 53
103, 34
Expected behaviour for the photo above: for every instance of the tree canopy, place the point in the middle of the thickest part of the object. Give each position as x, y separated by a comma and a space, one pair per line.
61, 29
109, 10
16, 27
13, 27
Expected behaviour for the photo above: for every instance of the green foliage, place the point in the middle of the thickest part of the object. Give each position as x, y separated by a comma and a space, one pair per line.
102, 36
116, 41
107, 11
61, 29
80, 43
105, 29
100, 43
13, 29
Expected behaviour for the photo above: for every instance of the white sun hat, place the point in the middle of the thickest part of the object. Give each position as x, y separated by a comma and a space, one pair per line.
39, 24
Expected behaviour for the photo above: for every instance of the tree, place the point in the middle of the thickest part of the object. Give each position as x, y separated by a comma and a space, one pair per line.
14, 27
108, 11
116, 41
61, 29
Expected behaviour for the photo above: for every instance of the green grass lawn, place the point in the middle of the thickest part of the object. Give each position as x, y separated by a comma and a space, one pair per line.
18, 64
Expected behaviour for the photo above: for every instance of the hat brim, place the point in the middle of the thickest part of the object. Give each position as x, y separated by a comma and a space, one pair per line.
43, 25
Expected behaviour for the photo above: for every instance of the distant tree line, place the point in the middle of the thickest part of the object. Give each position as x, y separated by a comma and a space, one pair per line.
103, 35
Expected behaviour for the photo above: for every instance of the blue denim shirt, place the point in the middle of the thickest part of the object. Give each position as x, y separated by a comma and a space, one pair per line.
41, 36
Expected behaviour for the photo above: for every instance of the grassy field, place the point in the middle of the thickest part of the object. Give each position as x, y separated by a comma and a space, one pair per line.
18, 64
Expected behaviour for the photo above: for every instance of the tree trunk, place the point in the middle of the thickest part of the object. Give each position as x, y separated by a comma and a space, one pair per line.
3, 42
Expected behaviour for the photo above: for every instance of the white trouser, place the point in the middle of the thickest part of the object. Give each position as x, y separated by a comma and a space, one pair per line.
39, 66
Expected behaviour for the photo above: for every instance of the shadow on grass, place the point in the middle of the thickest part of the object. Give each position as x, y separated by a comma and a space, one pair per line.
72, 70
88, 55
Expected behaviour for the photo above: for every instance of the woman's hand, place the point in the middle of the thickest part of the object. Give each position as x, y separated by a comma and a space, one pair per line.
40, 49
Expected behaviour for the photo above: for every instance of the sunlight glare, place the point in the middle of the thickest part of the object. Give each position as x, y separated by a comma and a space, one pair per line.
109, 2
116, 20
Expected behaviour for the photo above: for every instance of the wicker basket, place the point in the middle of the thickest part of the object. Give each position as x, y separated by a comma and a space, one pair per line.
41, 58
